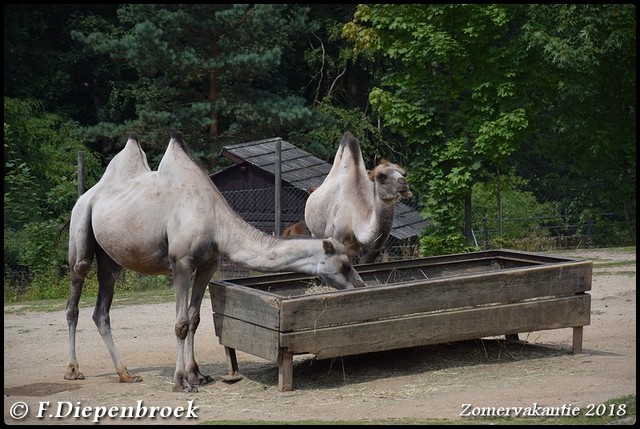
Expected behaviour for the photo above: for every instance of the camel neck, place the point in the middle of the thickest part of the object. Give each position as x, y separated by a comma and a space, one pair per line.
248, 246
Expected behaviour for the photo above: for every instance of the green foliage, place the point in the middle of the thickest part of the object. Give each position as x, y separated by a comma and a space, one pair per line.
517, 202
192, 67
522, 215
469, 84
586, 150
40, 163
40, 188
443, 241
324, 140
42, 62
451, 94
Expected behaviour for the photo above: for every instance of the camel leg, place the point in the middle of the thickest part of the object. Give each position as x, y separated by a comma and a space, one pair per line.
370, 256
75, 290
81, 251
108, 272
202, 277
187, 375
181, 284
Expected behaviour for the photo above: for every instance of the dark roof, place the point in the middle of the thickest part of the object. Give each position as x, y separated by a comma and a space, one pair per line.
304, 171
299, 168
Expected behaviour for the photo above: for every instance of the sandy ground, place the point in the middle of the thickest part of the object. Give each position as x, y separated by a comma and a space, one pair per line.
418, 383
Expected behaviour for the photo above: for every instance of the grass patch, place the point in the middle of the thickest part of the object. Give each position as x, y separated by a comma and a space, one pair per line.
57, 287
614, 264
120, 299
603, 250
617, 273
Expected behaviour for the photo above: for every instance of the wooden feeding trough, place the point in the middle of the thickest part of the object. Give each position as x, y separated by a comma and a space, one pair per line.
406, 303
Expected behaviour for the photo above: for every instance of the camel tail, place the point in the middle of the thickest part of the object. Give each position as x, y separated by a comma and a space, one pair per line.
62, 228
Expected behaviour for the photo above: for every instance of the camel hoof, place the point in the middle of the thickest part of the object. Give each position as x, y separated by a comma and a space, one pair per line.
200, 380
73, 374
206, 379
232, 378
130, 378
77, 376
186, 388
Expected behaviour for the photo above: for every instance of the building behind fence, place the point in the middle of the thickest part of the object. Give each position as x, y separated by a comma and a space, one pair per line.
268, 186
255, 206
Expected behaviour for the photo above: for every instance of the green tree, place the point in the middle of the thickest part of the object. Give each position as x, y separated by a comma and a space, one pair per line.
585, 150
522, 213
336, 83
40, 188
42, 62
453, 93
212, 71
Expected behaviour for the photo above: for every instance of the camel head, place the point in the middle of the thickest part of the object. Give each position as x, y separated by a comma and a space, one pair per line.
336, 269
390, 181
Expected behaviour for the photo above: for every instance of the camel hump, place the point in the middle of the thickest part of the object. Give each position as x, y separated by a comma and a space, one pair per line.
135, 160
177, 136
178, 162
351, 162
351, 145
136, 143
127, 163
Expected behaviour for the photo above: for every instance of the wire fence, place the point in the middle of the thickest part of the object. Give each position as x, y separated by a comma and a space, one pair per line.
543, 233
538, 234
256, 207
547, 233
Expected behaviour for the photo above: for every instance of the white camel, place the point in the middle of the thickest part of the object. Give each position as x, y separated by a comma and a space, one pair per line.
174, 221
354, 205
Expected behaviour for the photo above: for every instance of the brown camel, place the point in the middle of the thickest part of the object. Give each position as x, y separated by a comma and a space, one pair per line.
297, 229
174, 221
354, 205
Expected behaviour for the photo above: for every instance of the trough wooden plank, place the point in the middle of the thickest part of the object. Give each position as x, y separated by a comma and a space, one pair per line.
525, 257
379, 302
457, 264
433, 271
258, 307
249, 338
442, 327
294, 284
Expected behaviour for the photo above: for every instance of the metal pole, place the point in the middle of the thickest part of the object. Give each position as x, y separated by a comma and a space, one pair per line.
80, 173
278, 185
485, 233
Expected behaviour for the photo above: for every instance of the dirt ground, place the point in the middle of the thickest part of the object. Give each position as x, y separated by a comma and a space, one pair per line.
431, 382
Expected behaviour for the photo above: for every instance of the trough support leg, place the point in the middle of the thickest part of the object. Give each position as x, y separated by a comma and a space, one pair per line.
577, 339
232, 360
285, 371
232, 366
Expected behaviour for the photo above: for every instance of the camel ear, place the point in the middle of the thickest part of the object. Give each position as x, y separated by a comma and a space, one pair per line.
328, 247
